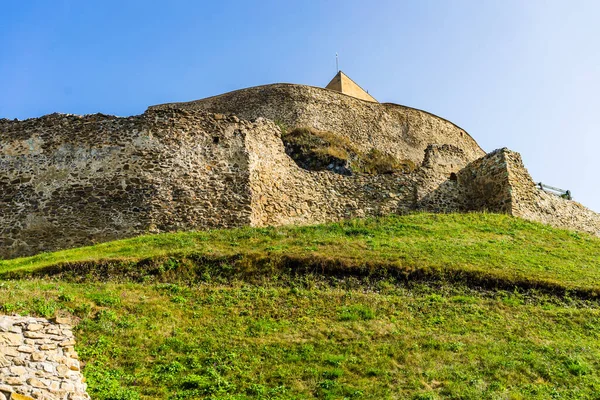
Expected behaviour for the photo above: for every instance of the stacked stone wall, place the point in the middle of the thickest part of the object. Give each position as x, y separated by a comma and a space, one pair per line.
437, 186
530, 202
401, 131
482, 185
38, 360
486, 185
67, 181
500, 183
284, 193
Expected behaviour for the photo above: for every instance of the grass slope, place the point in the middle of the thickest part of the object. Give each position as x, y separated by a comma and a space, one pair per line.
305, 312
481, 247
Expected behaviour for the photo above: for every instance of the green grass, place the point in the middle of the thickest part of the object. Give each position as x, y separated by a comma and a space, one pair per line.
313, 339
484, 248
474, 306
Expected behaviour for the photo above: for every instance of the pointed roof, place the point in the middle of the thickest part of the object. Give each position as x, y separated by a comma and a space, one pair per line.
343, 84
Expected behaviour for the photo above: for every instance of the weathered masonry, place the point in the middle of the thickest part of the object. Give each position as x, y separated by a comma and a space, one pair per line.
38, 360
69, 180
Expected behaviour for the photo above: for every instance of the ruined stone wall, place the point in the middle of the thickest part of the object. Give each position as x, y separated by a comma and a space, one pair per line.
283, 193
532, 203
485, 184
499, 182
38, 360
67, 181
401, 131
437, 186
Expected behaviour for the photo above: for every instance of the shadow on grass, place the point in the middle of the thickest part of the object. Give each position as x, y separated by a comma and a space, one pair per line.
255, 268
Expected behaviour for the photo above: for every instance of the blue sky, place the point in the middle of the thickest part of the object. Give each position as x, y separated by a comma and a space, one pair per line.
523, 74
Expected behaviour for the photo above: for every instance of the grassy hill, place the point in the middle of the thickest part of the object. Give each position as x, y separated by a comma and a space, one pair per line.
423, 306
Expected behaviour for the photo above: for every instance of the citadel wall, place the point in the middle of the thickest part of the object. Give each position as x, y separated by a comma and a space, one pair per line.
67, 181
284, 193
437, 186
499, 182
401, 131
529, 202
485, 184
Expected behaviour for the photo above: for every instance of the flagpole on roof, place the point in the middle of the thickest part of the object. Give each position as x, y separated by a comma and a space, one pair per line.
337, 63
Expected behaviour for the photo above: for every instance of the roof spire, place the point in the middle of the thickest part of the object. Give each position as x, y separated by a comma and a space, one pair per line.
337, 62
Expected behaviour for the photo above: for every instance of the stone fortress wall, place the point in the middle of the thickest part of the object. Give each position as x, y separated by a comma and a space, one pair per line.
528, 202
438, 146
401, 131
68, 181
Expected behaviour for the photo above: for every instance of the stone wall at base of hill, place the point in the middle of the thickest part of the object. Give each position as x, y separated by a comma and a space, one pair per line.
499, 182
38, 360
68, 181
283, 193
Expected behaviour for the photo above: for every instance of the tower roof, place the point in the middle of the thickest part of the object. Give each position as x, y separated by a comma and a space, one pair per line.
343, 84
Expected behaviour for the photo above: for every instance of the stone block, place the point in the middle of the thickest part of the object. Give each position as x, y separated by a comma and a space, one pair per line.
34, 327
25, 349
14, 380
5, 324
36, 383
4, 362
18, 396
33, 335
11, 339
38, 356
18, 370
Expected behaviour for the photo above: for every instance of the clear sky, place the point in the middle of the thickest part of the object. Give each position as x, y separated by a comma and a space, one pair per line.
523, 74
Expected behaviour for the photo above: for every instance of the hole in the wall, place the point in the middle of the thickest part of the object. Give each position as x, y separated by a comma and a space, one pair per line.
453, 177
215, 139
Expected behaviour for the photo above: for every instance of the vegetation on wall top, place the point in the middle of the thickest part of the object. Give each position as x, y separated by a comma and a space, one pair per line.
316, 150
